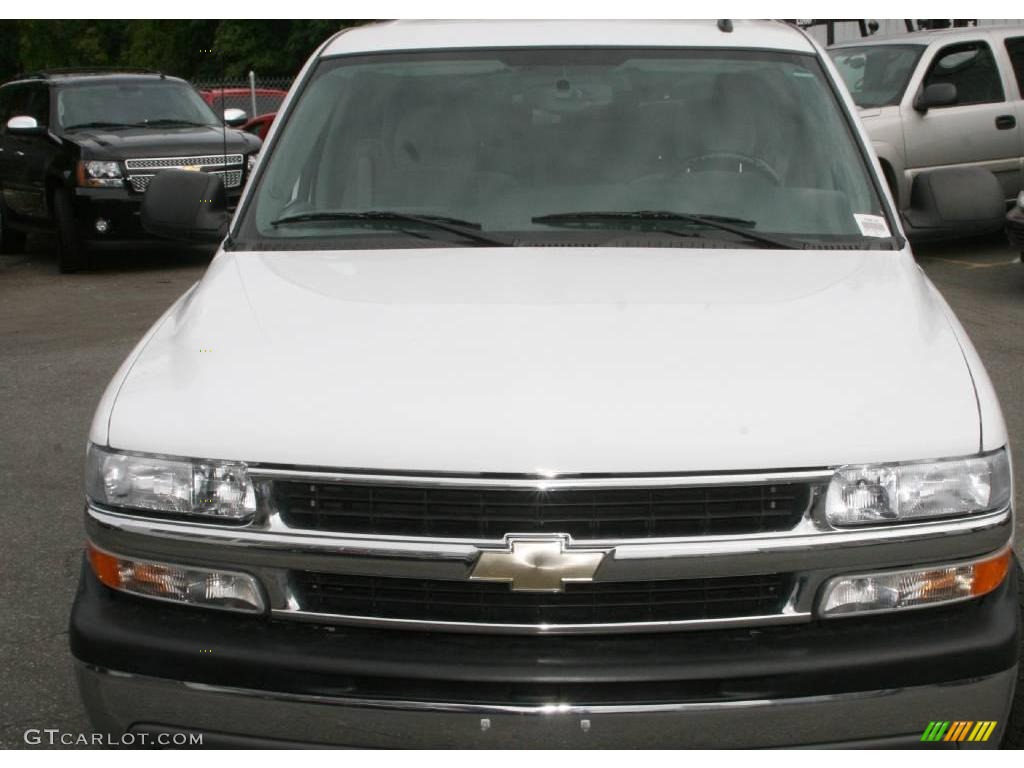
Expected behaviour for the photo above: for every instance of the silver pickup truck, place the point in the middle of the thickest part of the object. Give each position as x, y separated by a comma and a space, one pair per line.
940, 99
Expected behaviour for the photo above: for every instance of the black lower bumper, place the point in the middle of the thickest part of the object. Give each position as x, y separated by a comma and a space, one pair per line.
926, 647
119, 210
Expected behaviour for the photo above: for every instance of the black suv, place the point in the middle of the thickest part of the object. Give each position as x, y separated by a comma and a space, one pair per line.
78, 149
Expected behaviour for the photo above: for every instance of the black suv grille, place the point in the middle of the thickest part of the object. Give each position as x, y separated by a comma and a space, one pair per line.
490, 513
580, 603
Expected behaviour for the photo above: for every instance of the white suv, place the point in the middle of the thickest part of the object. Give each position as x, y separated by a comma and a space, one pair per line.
558, 384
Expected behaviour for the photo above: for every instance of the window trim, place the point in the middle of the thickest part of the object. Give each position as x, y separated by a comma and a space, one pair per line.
41, 92
944, 50
1018, 77
846, 49
13, 92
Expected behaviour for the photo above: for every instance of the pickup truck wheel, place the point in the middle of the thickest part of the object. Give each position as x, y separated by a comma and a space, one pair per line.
11, 241
1013, 736
72, 254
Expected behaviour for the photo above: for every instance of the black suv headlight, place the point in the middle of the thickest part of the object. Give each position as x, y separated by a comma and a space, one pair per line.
100, 173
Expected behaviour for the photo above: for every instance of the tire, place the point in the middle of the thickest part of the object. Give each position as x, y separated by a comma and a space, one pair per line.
72, 254
11, 241
1013, 736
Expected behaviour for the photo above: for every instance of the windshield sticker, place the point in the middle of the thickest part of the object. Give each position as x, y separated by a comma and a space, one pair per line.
872, 226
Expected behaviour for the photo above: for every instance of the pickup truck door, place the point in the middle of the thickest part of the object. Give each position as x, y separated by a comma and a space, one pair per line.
1014, 51
10, 96
980, 129
24, 159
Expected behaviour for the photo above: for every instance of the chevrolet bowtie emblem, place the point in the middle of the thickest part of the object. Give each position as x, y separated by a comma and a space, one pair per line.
537, 563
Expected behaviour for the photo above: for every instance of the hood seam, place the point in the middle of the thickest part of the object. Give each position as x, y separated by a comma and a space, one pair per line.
137, 353
946, 310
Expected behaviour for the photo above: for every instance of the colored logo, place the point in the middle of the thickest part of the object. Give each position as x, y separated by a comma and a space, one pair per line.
958, 730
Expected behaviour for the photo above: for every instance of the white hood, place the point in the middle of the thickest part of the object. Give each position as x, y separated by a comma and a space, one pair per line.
555, 359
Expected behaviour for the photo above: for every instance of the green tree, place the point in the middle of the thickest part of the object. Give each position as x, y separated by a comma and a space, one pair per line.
271, 47
182, 48
69, 43
197, 49
9, 63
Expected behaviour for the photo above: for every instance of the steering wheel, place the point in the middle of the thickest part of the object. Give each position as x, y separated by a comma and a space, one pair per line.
743, 164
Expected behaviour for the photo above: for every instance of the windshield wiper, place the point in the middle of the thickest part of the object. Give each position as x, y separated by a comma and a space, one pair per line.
737, 226
466, 229
97, 124
168, 121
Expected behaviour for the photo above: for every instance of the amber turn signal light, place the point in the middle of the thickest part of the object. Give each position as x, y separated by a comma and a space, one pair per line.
171, 582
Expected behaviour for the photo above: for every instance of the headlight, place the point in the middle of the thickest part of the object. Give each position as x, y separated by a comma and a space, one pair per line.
251, 162
894, 493
1020, 199
100, 173
139, 482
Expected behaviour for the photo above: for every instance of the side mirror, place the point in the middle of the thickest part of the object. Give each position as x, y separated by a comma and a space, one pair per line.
235, 117
186, 205
23, 125
935, 95
954, 202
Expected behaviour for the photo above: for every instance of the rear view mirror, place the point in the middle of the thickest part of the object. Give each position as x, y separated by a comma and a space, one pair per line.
954, 202
186, 205
235, 117
23, 125
935, 95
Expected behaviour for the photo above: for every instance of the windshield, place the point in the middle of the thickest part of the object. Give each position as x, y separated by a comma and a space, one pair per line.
515, 143
877, 75
132, 103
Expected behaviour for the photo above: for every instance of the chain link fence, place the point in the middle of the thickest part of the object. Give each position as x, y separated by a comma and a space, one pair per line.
255, 95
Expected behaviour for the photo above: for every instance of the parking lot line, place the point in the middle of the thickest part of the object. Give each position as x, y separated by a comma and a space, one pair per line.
975, 264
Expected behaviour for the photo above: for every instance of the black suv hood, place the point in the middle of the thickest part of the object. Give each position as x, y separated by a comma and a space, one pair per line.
122, 143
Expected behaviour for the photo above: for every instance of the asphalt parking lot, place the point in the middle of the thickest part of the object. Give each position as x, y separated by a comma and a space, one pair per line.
63, 336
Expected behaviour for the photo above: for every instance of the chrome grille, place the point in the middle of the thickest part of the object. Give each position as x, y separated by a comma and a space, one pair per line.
232, 179
202, 161
489, 513
807, 555
142, 169
592, 603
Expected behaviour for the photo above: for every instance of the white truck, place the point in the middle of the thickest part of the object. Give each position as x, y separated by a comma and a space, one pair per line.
948, 98
555, 384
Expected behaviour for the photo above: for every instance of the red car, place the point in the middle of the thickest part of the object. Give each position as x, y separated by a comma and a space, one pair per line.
260, 124
267, 99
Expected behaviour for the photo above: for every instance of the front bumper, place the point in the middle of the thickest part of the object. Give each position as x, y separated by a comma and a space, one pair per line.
242, 718
879, 681
121, 209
